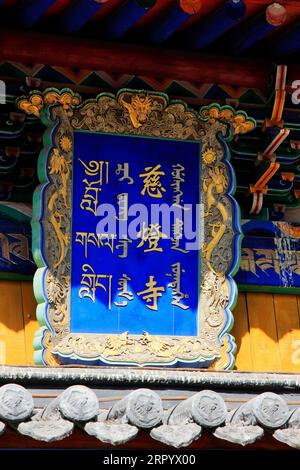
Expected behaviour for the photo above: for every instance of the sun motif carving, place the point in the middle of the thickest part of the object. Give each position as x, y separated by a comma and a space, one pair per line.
138, 109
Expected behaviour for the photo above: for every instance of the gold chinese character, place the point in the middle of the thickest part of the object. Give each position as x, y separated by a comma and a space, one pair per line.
152, 183
175, 285
123, 206
151, 235
177, 228
152, 293
92, 189
248, 261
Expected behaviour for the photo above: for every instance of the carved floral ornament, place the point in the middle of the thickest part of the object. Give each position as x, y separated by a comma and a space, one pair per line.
144, 114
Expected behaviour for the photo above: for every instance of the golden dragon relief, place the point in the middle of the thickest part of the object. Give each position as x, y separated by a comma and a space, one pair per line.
138, 109
141, 349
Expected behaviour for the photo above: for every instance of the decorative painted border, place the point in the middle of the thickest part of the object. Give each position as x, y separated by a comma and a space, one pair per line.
134, 112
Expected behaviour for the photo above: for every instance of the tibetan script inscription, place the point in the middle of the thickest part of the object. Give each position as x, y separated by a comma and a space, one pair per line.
135, 230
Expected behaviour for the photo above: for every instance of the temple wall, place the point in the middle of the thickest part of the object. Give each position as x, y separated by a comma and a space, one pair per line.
267, 329
267, 332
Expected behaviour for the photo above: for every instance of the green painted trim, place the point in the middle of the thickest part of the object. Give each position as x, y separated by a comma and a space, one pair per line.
37, 344
15, 276
38, 214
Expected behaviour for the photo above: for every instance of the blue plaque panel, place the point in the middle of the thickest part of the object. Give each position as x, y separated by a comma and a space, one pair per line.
270, 257
15, 250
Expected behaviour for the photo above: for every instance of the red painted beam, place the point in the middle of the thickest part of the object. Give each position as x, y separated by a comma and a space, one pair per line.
80, 440
33, 47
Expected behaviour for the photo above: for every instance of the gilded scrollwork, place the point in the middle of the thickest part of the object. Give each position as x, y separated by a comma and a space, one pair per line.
146, 114
216, 212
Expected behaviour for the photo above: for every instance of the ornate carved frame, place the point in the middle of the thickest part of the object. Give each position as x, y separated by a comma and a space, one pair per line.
144, 114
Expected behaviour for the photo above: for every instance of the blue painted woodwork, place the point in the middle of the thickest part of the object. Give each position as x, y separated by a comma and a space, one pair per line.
123, 19
216, 24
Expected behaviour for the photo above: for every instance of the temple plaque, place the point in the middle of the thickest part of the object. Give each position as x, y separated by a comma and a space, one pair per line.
135, 231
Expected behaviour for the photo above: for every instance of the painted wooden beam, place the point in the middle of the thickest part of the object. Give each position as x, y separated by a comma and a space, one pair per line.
33, 47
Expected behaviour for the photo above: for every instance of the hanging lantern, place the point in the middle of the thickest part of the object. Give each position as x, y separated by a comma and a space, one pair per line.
276, 14
191, 6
